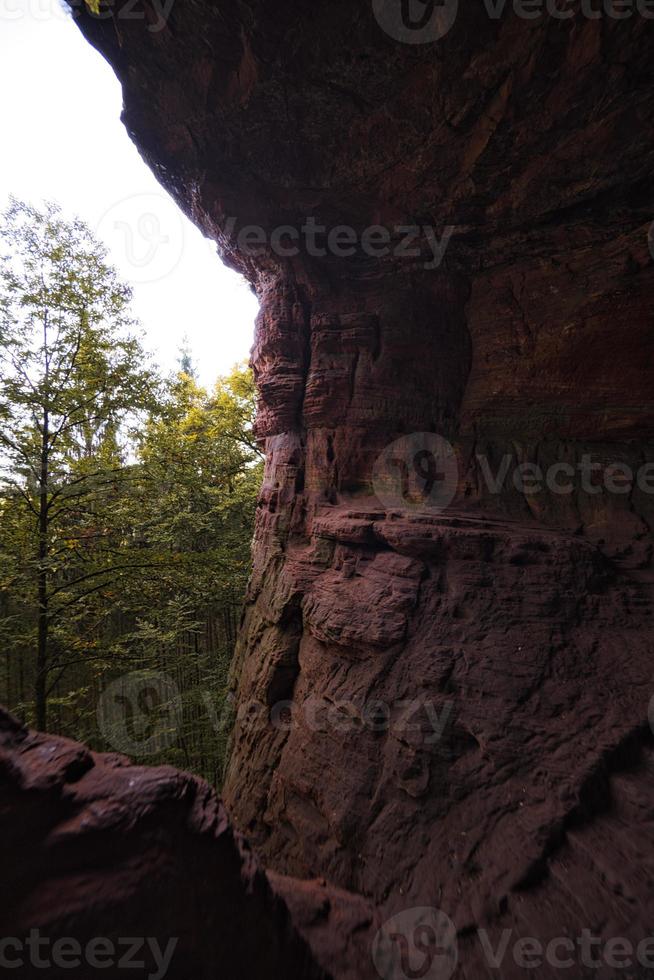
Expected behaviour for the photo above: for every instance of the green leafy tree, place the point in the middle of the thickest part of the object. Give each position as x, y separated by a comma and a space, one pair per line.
72, 379
193, 511
126, 502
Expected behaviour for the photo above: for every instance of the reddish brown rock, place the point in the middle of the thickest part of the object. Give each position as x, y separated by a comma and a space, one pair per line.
521, 622
97, 849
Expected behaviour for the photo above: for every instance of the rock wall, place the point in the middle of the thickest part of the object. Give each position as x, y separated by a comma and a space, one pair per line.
506, 777
140, 870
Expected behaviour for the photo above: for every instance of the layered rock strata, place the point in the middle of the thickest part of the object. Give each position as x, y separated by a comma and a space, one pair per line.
507, 636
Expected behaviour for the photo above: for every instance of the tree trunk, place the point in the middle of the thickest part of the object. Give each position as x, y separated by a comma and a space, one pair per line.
40, 690
42, 641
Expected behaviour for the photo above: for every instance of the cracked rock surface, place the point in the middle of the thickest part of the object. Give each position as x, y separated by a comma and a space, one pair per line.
509, 635
95, 847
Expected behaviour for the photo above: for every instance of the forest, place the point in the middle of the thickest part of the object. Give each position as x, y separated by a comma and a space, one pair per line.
127, 502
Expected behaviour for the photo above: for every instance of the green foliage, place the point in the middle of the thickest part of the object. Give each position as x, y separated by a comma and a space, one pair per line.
126, 500
71, 381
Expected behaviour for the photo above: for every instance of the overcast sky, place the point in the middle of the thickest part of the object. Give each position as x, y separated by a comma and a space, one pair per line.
62, 140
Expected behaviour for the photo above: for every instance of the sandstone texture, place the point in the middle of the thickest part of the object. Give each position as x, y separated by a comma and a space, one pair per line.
508, 635
96, 847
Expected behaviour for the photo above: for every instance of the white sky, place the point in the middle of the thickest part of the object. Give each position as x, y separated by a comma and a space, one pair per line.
63, 140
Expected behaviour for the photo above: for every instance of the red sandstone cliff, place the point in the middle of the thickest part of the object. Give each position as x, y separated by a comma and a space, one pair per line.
523, 621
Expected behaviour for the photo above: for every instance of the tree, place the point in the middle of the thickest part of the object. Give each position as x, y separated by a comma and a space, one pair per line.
193, 509
185, 359
127, 502
73, 377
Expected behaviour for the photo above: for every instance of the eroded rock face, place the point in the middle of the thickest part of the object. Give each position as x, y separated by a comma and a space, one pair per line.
96, 850
509, 635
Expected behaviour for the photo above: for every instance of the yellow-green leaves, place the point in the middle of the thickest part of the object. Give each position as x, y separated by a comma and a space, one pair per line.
93, 5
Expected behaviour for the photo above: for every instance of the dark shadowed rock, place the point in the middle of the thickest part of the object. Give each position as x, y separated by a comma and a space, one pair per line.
509, 634
93, 847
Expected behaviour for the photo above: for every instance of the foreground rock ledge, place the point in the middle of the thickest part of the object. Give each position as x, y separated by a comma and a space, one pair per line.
94, 847
529, 616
